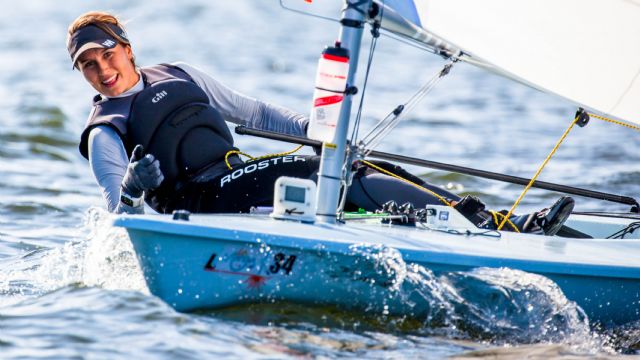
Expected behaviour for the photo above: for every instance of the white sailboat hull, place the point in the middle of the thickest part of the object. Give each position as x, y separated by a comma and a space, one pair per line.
214, 261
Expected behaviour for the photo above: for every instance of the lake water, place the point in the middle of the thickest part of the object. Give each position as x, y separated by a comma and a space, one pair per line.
70, 286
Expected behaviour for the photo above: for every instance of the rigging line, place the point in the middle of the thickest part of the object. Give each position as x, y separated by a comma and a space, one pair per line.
488, 233
373, 138
533, 179
375, 33
629, 229
345, 181
388, 122
397, 111
614, 121
356, 124
409, 41
436, 78
386, 172
409, 104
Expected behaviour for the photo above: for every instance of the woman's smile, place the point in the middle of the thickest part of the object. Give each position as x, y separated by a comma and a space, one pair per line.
111, 81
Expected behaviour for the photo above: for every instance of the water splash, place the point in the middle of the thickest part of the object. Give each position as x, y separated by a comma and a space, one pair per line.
501, 304
498, 305
408, 288
102, 256
626, 338
109, 260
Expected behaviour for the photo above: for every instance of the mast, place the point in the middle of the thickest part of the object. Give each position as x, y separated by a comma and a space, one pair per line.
333, 155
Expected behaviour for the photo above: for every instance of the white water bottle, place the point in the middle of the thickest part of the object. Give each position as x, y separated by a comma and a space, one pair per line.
331, 82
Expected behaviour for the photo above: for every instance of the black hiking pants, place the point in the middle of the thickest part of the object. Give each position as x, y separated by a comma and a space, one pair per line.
252, 184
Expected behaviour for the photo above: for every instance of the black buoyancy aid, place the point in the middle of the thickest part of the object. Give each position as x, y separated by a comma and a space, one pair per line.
172, 118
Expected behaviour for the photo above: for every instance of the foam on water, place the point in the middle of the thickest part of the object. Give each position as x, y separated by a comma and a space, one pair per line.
502, 306
102, 257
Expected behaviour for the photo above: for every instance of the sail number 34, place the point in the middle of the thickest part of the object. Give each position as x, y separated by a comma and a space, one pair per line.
281, 263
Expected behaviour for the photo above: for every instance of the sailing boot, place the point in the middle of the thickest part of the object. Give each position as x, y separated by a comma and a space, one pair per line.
552, 219
547, 221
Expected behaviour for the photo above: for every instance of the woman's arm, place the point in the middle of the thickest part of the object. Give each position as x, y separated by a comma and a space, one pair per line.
108, 160
244, 110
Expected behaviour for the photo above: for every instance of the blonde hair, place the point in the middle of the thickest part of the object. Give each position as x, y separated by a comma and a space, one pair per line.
99, 18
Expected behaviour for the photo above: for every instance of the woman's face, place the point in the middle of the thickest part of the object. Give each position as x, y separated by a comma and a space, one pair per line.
110, 71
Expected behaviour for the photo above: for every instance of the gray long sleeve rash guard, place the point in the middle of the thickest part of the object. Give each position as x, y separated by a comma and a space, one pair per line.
108, 158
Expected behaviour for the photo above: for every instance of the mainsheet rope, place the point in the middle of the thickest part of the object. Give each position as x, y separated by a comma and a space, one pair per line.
544, 163
553, 151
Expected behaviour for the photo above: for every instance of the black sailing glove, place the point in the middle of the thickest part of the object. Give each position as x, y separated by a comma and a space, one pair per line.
143, 173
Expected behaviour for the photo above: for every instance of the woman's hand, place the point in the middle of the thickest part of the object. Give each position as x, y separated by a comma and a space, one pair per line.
143, 173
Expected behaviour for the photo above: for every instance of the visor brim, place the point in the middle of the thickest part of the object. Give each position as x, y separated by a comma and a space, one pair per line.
98, 44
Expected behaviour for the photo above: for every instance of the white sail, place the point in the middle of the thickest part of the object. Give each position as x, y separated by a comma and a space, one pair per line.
586, 51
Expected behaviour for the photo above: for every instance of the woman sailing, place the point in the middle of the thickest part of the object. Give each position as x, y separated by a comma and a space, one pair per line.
177, 113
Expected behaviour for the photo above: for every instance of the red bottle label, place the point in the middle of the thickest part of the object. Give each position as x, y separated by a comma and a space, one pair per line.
327, 100
335, 58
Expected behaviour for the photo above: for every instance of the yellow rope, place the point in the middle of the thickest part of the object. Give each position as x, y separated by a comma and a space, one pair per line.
506, 217
614, 121
555, 148
251, 158
278, 154
231, 152
495, 217
407, 181
495, 220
